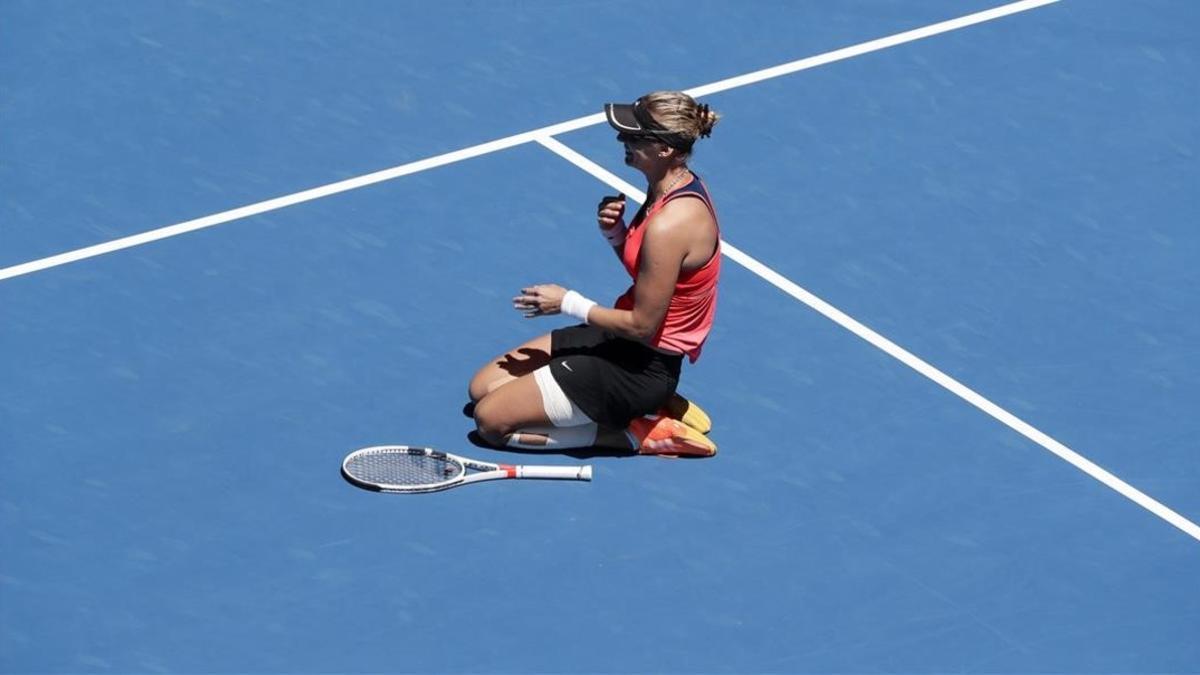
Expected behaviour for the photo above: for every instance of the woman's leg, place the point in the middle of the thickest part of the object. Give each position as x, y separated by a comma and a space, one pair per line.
533, 412
510, 366
514, 414
509, 405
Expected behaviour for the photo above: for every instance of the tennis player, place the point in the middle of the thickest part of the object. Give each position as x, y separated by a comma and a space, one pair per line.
610, 381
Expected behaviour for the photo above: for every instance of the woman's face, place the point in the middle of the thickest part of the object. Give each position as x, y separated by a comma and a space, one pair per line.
640, 152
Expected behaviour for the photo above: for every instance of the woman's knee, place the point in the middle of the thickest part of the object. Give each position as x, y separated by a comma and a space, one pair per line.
479, 385
512, 406
509, 366
490, 421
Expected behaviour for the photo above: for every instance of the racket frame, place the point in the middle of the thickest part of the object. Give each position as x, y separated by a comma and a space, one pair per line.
485, 470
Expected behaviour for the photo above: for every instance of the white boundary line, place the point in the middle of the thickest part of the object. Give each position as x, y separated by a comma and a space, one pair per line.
292, 199
503, 143
872, 46
899, 353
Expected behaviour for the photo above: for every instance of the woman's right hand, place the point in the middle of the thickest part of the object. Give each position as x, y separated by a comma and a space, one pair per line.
611, 213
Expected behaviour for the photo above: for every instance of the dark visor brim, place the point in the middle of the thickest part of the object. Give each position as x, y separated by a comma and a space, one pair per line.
620, 117
624, 118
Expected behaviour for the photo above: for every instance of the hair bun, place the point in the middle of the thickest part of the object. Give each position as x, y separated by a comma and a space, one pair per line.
708, 120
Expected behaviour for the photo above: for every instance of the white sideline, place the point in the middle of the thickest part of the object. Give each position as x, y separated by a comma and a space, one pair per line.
899, 353
503, 143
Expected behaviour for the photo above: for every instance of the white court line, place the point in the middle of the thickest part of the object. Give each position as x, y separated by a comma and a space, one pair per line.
899, 353
873, 45
503, 143
295, 198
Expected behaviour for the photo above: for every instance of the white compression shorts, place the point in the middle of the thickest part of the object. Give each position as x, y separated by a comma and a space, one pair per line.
558, 407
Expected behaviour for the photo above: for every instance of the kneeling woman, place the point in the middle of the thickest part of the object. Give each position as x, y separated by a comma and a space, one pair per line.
611, 380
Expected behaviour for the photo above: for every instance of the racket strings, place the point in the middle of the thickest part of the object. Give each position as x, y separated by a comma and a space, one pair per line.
403, 469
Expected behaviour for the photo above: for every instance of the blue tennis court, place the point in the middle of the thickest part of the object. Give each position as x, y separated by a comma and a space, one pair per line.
954, 376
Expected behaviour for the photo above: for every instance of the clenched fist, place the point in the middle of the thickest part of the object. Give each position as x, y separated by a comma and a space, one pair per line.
610, 215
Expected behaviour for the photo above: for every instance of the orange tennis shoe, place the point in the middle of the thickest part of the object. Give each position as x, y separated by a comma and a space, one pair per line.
667, 437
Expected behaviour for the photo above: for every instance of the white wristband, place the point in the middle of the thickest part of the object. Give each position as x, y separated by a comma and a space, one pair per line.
577, 306
615, 234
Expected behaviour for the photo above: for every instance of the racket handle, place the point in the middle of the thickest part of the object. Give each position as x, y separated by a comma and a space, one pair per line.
555, 472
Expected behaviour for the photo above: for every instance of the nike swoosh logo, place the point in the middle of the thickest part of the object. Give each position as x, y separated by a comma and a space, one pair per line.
567, 367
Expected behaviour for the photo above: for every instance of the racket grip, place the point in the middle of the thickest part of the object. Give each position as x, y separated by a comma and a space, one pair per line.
556, 472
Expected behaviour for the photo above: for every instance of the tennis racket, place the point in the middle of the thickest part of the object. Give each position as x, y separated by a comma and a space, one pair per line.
400, 468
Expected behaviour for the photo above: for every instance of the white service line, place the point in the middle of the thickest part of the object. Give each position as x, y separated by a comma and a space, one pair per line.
899, 353
503, 143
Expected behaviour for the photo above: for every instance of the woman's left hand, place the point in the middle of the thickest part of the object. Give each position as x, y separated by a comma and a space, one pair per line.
539, 300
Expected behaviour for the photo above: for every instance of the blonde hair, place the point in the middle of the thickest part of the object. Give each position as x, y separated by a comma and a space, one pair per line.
680, 115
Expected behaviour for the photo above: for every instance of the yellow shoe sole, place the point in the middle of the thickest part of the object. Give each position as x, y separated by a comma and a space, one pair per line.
689, 413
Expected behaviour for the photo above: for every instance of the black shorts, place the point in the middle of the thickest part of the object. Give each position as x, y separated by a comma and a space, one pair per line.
611, 379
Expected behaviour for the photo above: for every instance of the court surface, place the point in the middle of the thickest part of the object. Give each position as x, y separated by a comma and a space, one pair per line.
954, 375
